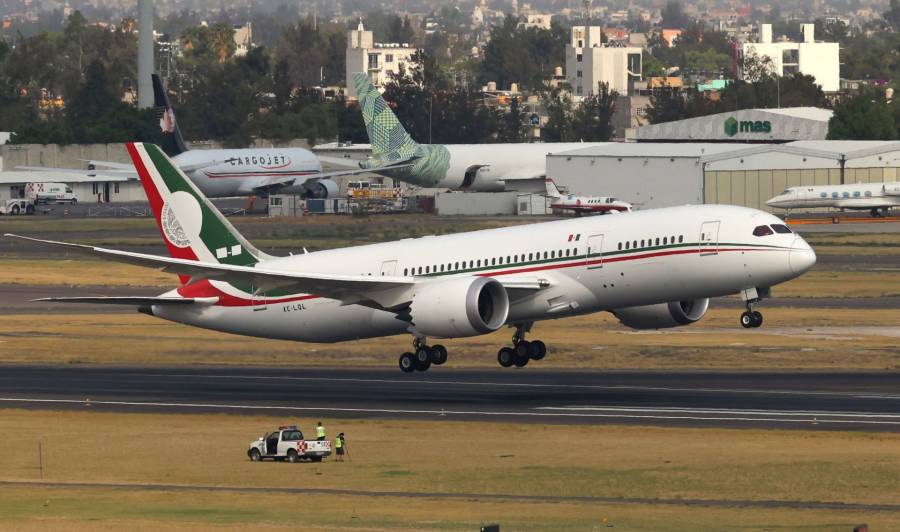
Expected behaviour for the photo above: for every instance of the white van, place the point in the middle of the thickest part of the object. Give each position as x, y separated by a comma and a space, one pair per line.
50, 193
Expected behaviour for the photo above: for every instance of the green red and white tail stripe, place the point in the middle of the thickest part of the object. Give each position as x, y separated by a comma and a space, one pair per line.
191, 226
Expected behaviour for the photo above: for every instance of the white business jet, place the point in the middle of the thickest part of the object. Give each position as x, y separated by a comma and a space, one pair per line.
877, 198
652, 269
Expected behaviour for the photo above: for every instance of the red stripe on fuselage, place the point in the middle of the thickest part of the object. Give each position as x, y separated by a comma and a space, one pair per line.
206, 289
258, 174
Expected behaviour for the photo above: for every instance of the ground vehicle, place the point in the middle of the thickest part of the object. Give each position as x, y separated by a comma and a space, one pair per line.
287, 443
16, 206
50, 193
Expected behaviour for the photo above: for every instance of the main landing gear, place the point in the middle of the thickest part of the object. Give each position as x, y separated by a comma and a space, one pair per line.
751, 319
522, 350
422, 357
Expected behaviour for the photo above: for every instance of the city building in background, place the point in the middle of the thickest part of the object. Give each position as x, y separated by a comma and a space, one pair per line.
379, 60
785, 58
590, 61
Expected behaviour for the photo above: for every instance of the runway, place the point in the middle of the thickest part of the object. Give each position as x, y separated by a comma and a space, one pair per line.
808, 401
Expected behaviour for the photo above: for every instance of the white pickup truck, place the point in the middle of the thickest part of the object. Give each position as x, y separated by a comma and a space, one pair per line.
287, 443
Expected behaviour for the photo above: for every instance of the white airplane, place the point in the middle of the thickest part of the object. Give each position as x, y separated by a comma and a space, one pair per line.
227, 173
878, 198
652, 269
584, 204
468, 167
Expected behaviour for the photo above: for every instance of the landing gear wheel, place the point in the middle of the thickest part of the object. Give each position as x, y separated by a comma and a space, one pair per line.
438, 354
523, 349
506, 357
255, 455
757, 318
747, 319
538, 350
423, 358
292, 456
407, 363
521, 362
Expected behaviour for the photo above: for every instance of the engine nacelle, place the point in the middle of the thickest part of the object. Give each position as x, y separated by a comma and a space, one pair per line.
454, 308
321, 189
663, 315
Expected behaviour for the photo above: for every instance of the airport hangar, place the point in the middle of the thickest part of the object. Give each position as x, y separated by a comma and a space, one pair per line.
661, 174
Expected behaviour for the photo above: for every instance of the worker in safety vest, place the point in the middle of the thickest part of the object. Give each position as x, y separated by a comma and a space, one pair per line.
320, 432
339, 447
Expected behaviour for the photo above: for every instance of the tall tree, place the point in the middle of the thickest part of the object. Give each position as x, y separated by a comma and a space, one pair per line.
592, 120
866, 116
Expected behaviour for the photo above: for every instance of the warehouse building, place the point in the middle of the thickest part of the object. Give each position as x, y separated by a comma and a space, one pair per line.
746, 125
666, 174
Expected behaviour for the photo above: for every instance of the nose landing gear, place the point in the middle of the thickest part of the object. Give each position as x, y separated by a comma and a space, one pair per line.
751, 319
522, 350
422, 357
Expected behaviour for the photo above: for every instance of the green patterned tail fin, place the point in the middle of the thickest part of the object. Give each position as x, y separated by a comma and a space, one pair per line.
390, 141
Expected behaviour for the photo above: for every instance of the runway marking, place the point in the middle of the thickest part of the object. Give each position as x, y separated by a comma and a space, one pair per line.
613, 413
612, 387
678, 409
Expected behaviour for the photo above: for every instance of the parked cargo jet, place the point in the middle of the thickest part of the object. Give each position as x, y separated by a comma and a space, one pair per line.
468, 167
651, 269
224, 173
878, 198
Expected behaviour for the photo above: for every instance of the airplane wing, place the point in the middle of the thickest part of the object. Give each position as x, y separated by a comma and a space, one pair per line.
378, 292
136, 301
525, 174
865, 203
107, 172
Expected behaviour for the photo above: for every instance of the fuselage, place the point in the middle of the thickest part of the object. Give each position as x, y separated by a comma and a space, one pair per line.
241, 172
853, 196
477, 167
586, 265
588, 204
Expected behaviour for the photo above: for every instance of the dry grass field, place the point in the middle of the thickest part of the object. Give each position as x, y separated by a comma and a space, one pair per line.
792, 339
425, 458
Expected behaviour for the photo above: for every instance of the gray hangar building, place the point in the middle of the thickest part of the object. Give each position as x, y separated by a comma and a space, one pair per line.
651, 175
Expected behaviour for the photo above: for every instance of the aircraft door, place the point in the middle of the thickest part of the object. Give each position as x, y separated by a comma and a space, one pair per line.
258, 299
709, 238
594, 252
389, 268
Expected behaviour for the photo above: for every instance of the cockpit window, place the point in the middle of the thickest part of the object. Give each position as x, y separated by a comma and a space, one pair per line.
781, 228
787, 191
762, 230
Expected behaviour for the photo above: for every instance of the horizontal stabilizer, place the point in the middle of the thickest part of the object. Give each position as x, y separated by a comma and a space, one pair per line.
134, 301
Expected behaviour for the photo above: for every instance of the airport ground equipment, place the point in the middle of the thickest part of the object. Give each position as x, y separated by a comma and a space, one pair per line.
16, 206
287, 443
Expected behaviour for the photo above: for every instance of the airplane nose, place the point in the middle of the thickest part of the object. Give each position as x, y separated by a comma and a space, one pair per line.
801, 257
773, 202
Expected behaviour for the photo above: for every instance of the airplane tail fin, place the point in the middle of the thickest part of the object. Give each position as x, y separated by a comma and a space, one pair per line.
172, 143
552, 191
390, 141
191, 226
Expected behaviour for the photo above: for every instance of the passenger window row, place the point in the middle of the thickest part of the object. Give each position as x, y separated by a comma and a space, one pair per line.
855, 194
474, 264
650, 242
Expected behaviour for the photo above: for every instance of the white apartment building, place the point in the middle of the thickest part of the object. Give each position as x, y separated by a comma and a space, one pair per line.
817, 59
243, 39
589, 61
379, 60
540, 21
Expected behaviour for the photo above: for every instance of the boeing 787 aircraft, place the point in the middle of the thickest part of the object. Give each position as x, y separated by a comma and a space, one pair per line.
651, 269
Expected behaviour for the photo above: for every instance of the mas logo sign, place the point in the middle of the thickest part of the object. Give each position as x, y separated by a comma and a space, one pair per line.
733, 127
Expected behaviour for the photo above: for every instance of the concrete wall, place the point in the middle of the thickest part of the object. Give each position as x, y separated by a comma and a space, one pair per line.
475, 203
646, 182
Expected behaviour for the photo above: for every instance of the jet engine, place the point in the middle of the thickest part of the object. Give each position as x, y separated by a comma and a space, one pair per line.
663, 315
455, 308
320, 189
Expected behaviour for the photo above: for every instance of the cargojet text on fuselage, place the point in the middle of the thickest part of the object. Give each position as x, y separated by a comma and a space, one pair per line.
652, 269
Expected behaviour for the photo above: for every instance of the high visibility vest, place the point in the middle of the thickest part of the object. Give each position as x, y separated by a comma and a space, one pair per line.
338, 443
320, 431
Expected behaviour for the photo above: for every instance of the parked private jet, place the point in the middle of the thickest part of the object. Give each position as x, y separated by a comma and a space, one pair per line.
652, 269
583, 204
878, 198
